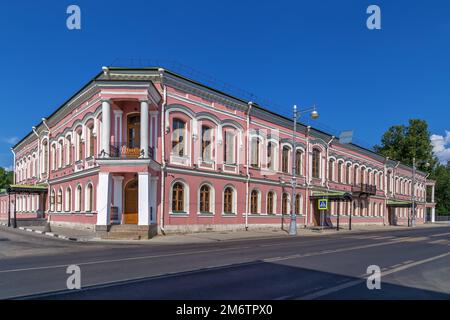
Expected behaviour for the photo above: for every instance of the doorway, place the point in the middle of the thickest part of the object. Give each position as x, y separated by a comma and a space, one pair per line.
131, 202
391, 216
133, 130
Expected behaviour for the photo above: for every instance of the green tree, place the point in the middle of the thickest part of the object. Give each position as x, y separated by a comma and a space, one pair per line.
403, 143
441, 175
6, 178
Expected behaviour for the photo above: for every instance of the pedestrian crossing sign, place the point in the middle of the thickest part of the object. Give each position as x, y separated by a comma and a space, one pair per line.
323, 204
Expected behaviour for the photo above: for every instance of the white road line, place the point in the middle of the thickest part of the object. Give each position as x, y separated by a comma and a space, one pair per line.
353, 283
318, 253
440, 234
120, 260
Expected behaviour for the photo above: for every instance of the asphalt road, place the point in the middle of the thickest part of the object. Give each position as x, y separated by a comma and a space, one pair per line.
414, 263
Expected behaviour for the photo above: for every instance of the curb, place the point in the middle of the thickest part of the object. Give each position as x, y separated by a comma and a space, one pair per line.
50, 234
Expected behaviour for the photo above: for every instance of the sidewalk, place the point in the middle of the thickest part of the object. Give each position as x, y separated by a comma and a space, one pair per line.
209, 237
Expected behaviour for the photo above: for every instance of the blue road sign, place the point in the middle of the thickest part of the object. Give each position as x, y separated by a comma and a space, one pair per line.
323, 204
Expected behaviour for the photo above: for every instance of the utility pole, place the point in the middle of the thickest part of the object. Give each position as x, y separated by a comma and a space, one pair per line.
293, 223
413, 210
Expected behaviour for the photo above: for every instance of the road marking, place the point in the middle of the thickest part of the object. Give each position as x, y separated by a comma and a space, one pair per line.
353, 283
414, 239
440, 234
440, 241
318, 253
120, 260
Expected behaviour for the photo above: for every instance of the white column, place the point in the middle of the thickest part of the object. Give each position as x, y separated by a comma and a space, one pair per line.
118, 126
103, 199
144, 128
106, 126
118, 182
143, 199
433, 214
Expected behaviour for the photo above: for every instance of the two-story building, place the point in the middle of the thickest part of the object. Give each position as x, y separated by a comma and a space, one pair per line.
155, 152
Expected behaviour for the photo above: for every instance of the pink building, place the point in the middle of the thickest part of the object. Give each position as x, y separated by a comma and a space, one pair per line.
149, 151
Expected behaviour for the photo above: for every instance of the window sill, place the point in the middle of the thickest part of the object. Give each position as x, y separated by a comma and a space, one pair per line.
179, 214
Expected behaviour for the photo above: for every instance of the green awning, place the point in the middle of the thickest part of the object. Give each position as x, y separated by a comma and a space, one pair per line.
23, 188
399, 204
331, 195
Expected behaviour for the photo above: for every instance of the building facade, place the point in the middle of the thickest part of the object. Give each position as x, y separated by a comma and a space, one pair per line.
155, 150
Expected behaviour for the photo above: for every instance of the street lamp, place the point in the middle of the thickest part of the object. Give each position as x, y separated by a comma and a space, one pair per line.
314, 115
412, 220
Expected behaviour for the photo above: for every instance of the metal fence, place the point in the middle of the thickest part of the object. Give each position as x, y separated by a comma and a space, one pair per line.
442, 218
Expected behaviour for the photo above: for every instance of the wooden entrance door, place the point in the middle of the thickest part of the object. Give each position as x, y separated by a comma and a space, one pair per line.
131, 202
391, 216
316, 216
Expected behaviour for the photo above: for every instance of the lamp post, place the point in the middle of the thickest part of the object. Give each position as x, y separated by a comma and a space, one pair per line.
412, 219
314, 115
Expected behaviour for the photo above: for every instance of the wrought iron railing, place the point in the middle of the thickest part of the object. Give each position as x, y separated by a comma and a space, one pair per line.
125, 150
365, 188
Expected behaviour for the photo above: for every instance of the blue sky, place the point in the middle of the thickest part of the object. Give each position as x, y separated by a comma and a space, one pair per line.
289, 52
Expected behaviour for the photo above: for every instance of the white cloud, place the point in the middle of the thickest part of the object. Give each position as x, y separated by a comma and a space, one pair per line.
441, 146
11, 140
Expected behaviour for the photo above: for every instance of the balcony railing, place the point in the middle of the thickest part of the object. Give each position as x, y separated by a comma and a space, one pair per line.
364, 189
126, 151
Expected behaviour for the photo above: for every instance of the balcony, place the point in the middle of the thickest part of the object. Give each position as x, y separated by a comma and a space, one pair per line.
127, 151
364, 189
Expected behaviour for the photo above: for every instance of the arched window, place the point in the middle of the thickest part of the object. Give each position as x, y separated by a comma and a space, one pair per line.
178, 197
90, 150
53, 155
178, 137
340, 176
362, 176
270, 153
60, 153
229, 147
78, 198
298, 162
89, 196
316, 163
44, 157
331, 170
270, 202
68, 200
285, 159
205, 199
355, 175
298, 203
284, 203
254, 201
52, 200
206, 143
254, 159
68, 151
228, 200
59, 201
79, 145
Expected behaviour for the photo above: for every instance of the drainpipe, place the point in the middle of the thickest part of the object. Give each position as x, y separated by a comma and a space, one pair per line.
250, 105
38, 169
327, 163
307, 200
44, 121
163, 160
